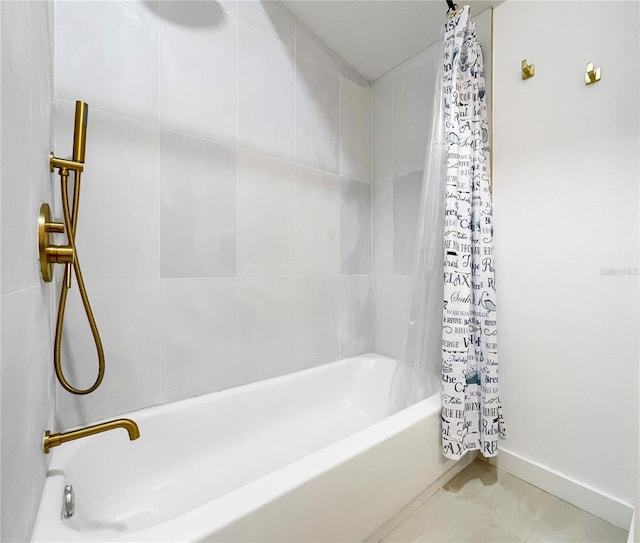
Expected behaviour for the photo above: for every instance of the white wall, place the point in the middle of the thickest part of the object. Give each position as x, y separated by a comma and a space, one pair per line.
26, 393
224, 226
566, 220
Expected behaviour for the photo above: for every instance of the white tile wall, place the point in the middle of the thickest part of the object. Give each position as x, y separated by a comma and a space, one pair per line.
402, 101
26, 406
198, 336
317, 320
355, 315
317, 222
26, 395
266, 89
317, 115
401, 112
406, 208
226, 205
197, 71
266, 339
18, 269
121, 173
355, 227
413, 90
382, 299
401, 289
382, 187
266, 231
131, 343
355, 131
107, 55
197, 207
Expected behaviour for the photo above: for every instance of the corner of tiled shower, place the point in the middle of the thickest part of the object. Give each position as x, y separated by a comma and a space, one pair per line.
245, 200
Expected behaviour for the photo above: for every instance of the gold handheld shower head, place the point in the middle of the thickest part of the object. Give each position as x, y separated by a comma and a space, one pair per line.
69, 255
80, 131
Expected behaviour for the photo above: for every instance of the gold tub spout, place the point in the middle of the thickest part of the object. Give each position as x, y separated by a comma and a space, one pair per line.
53, 440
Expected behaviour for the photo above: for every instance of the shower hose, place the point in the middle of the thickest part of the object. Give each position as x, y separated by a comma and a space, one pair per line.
70, 227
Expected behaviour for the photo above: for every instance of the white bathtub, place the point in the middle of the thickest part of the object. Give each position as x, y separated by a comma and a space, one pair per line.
304, 457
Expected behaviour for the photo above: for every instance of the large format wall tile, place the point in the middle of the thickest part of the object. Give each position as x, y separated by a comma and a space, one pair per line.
43, 186
355, 315
266, 215
413, 90
121, 173
218, 133
401, 290
26, 400
406, 208
401, 106
317, 222
127, 313
382, 227
317, 115
107, 55
26, 395
199, 336
355, 131
382, 187
382, 126
317, 321
382, 326
266, 73
198, 66
19, 269
266, 316
198, 207
355, 227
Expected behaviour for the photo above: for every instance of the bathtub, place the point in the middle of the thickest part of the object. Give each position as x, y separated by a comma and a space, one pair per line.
309, 456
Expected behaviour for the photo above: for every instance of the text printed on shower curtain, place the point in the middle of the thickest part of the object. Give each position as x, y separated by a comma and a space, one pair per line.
471, 410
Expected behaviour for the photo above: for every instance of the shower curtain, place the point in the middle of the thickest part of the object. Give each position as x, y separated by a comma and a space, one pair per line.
451, 337
418, 372
471, 410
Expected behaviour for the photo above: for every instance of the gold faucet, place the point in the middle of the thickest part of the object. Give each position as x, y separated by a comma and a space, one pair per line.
54, 440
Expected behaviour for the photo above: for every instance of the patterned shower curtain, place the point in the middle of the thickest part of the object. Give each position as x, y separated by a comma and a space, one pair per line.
471, 411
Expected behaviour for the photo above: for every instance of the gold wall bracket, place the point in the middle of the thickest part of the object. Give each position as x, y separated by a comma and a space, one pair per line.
50, 254
528, 70
592, 75
63, 163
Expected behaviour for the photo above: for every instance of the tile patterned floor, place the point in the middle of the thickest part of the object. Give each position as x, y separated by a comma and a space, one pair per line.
486, 505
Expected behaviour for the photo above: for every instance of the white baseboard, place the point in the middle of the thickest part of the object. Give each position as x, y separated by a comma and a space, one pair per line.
585, 497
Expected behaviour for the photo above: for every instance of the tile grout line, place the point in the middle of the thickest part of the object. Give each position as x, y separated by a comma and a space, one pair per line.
236, 17
295, 189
